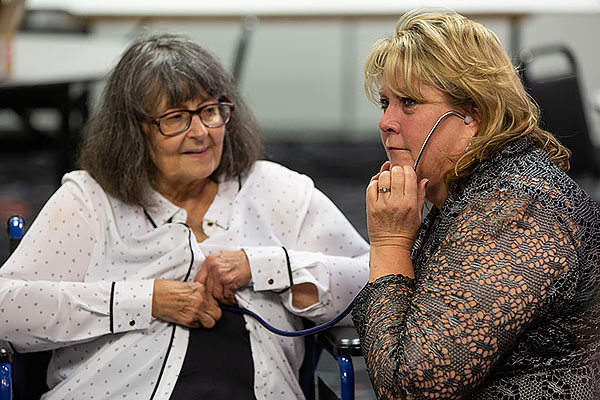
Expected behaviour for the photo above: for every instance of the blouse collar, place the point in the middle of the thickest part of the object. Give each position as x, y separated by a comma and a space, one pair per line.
164, 211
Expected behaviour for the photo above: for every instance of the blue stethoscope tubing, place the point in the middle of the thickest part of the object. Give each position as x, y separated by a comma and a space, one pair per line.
338, 318
303, 332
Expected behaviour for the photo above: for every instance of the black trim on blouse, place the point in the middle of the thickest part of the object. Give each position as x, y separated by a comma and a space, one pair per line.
112, 299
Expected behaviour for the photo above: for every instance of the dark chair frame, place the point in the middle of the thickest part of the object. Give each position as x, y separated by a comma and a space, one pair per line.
560, 99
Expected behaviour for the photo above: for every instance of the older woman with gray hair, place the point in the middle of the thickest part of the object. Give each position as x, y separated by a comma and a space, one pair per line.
173, 214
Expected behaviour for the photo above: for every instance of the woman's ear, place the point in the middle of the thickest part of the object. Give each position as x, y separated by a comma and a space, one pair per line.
473, 120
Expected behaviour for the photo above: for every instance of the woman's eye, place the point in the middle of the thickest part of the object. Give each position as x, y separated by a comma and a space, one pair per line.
383, 104
211, 111
408, 102
174, 117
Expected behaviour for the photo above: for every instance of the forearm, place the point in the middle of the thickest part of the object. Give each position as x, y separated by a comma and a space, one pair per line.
304, 295
389, 260
41, 315
473, 298
316, 278
379, 314
333, 282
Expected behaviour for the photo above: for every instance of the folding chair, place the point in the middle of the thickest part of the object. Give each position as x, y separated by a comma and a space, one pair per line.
559, 96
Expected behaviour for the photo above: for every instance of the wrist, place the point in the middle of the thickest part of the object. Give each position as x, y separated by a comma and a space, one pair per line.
391, 242
388, 260
155, 294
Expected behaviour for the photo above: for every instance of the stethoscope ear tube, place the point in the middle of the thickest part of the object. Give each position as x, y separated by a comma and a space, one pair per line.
468, 119
322, 327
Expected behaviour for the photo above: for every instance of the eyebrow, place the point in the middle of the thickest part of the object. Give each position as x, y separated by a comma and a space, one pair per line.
175, 107
399, 94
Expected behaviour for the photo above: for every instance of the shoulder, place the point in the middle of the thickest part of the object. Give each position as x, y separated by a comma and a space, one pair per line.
274, 175
82, 180
520, 169
528, 182
82, 186
273, 187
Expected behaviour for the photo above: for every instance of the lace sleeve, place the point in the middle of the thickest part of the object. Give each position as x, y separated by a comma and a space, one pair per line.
487, 274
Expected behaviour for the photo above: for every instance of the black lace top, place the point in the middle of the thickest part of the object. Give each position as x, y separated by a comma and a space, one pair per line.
505, 300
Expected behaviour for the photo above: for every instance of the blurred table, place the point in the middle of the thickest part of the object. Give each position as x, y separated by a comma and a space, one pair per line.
54, 72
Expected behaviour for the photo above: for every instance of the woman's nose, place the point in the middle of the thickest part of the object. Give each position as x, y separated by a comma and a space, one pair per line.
197, 128
387, 123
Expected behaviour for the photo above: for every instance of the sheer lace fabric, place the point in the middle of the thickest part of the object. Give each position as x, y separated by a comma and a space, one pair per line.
505, 300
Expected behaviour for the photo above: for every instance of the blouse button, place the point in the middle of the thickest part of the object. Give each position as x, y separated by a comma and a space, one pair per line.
132, 322
209, 223
270, 281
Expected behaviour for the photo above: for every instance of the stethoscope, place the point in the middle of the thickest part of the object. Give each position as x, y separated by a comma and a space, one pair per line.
318, 328
302, 332
466, 118
240, 310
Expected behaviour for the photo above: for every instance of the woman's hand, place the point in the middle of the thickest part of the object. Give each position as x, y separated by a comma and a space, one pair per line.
184, 303
224, 273
394, 207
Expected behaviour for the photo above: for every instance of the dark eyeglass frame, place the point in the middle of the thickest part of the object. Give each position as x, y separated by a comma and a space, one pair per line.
223, 101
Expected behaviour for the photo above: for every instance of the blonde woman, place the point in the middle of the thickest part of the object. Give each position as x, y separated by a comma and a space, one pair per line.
494, 295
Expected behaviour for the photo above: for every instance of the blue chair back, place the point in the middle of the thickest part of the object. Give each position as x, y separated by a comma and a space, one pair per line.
15, 230
22, 376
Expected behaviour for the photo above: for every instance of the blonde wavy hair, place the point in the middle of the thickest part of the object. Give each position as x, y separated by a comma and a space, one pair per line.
467, 62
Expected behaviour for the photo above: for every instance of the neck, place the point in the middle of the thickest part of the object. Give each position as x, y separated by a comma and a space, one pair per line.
195, 198
197, 194
437, 193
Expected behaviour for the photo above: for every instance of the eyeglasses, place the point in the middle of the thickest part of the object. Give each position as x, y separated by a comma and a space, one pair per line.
176, 122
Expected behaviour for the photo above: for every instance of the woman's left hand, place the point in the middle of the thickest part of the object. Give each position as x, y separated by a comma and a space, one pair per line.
224, 273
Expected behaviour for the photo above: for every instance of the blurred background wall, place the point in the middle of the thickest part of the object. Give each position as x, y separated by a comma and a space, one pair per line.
306, 76
302, 78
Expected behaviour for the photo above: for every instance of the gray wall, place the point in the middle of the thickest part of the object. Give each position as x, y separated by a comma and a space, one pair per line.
305, 77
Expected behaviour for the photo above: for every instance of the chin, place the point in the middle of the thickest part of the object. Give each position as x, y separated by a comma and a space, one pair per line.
401, 161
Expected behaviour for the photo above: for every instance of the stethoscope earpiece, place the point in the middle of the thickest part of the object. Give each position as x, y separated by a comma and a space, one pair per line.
467, 120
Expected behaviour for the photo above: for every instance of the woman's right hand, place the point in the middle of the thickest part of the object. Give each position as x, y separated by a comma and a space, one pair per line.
184, 303
394, 201
394, 216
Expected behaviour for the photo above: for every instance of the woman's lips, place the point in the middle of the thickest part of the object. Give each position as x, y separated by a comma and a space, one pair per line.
391, 148
195, 153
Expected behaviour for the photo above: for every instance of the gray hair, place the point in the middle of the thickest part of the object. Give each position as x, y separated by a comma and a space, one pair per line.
114, 148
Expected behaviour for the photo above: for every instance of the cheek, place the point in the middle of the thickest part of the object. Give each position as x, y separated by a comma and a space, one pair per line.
414, 143
219, 141
219, 138
162, 152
